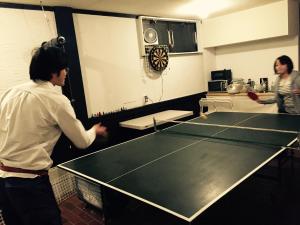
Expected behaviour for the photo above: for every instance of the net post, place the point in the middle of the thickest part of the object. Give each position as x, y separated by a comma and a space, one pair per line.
154, 124
298, 140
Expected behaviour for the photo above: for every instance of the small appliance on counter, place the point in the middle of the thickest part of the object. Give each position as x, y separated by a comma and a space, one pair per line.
219, 80
217, 85
222, 75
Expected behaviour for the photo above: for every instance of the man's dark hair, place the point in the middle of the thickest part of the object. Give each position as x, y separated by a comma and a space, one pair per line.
284, 60
45, 61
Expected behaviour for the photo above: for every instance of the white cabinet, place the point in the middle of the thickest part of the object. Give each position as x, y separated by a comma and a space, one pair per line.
241, 103
271, 20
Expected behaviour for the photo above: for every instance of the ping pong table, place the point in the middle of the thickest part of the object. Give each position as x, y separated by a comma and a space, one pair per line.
184, 169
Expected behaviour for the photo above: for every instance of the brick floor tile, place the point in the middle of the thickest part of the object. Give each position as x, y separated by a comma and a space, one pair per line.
75, 212
85, 216
69, 205
96, 223
81, 223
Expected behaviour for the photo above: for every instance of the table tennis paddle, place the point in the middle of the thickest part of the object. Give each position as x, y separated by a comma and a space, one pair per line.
252, 95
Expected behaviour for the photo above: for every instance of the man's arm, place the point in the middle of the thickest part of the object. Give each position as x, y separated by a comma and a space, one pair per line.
73, 128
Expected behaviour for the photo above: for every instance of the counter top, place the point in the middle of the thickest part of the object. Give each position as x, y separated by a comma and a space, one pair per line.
211, 93
241, 102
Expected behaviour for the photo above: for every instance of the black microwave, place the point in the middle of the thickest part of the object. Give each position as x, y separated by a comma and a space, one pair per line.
217, 85
221, 75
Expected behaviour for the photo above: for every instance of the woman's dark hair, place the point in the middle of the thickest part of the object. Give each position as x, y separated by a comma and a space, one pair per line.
284, 60
47, 61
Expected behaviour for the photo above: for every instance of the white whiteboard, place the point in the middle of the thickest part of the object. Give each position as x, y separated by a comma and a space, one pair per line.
21, 32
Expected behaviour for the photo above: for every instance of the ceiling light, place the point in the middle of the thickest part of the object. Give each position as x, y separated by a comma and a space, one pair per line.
204, 8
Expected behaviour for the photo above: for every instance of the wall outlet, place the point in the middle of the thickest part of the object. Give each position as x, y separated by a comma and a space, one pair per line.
146, 99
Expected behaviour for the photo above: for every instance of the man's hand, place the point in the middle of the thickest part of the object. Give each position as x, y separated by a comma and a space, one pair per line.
100, 130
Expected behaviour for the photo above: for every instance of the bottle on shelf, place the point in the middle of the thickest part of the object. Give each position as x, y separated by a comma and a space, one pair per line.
249, 82
264, 83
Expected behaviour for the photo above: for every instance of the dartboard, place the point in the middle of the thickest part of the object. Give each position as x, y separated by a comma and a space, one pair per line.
158, 58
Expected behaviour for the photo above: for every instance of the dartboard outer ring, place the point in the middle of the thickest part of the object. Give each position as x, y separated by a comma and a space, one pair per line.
158, 58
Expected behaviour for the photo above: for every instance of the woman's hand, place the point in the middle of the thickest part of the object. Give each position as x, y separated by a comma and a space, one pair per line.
296, 91
260, 101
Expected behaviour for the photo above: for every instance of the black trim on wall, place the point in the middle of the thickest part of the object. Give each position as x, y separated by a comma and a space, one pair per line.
24, 6
102, 13
73, 88
74, 10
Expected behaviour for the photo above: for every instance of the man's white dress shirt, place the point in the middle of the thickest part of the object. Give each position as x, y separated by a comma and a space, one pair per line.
32, 117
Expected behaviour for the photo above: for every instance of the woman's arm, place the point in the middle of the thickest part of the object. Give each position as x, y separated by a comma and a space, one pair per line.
296, 85
267, 101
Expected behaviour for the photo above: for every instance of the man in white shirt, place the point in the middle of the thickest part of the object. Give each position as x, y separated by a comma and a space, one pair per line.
32, 118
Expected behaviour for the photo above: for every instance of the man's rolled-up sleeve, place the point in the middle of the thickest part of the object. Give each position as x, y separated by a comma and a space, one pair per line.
73, 128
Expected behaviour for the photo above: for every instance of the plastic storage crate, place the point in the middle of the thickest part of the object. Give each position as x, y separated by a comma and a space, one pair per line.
63, 184
89, 192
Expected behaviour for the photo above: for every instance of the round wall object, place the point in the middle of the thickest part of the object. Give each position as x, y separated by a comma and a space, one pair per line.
158, 58
150, 36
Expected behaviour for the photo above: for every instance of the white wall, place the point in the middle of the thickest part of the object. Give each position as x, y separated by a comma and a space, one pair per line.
21, 32
114, 74
255, 59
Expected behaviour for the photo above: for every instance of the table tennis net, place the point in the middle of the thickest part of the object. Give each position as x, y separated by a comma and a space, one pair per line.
234, 134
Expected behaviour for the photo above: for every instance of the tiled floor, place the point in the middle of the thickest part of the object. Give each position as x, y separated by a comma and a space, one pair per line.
76, 212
